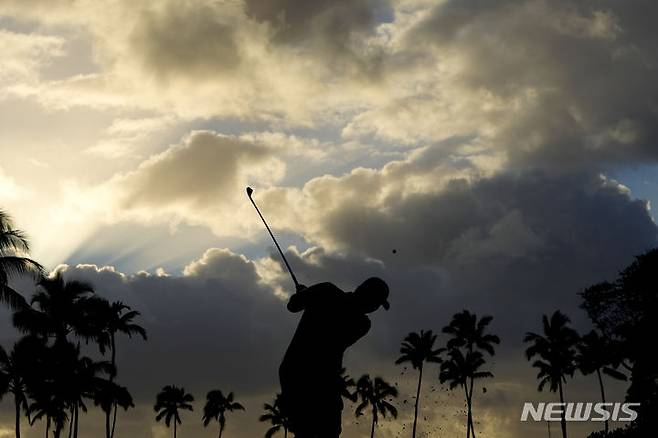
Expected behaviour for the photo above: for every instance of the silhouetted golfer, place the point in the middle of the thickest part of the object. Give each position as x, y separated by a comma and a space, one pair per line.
310, 371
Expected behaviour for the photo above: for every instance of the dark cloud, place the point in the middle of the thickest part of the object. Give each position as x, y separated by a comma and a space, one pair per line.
578, 76
332, 32
183, 39
526, 215
297, 20
203, 40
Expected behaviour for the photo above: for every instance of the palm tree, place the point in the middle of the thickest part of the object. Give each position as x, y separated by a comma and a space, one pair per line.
13, 261
109, 395
57, 309
14, 375
216, 407
418, 348
462, 370
469, 333
168, 403
112, 319
376, 394
276, 415
556, 349
596, 355
466, 331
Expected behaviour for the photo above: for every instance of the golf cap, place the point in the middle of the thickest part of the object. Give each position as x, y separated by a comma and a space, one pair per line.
377, 289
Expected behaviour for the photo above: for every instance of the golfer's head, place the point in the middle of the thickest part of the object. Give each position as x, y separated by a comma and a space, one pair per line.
371, 294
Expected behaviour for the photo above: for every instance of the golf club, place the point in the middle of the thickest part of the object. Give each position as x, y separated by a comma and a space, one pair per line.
250, 191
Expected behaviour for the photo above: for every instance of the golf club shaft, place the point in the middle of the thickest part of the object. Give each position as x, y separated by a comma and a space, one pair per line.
294, 279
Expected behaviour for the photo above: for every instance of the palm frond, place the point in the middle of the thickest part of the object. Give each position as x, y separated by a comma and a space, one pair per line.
12, 266
12, 298
13, 241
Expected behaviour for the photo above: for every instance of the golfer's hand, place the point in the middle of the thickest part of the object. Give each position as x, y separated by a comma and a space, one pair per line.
298, 300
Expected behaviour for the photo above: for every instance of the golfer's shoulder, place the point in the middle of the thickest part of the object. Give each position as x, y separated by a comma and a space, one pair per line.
329, 286
325, 296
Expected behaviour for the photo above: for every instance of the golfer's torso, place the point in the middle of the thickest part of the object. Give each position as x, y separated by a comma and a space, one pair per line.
321, 336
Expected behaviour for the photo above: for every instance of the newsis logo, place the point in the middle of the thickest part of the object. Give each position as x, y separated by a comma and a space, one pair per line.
579, 411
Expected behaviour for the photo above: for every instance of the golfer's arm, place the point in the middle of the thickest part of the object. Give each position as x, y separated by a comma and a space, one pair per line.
299, 300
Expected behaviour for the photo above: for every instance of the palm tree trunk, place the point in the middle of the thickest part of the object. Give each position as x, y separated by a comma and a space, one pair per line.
221, 430
107, 423
75, 425
18, 416
174, 428
285, 432
374, 422
71, 423
468, 413
470, 409
598, 373
548, 423
420, 381
47, 426
114, 420
112, 377
563, 420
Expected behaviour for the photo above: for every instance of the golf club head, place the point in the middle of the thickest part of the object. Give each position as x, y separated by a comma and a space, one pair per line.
249, 191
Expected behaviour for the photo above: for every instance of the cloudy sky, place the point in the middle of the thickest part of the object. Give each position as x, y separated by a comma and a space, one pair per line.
506, 149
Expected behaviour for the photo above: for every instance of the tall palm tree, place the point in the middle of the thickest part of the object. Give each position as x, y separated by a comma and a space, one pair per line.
462, 370
556, 350
376, 394
15, 374
168, 403
418, 348
216, 407
469, 333
276, 415
112, 319
14, 247
597, 355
